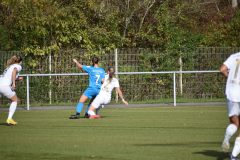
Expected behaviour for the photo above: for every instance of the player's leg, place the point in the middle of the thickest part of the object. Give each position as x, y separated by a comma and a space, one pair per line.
80, 104
94, 92
230, 131
99, 108
92, 114
10, 94
236, 149
91, 110
88, 94
12, 109
94, 105
79, 107
233, 113
105, 101
89, 104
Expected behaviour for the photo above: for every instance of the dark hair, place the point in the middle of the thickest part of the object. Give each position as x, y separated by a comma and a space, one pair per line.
95, 60
14, 59
111, 73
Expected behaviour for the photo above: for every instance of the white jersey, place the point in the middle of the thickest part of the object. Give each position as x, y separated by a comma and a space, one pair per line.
108, 86
233, 80
6, 78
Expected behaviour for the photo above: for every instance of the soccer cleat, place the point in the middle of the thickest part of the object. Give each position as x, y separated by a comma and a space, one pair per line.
233, 158
94, 116
86, 115
11, 122
225, 146
74, 116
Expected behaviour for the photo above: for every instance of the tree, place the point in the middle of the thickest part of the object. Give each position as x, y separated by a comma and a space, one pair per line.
41, 26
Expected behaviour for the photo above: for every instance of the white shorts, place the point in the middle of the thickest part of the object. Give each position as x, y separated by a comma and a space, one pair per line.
7, 91
233, 108
99, 100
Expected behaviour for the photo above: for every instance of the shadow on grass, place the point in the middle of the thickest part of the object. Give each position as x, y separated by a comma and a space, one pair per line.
4, 124
85, 118
184, 144
49, 156
217, 154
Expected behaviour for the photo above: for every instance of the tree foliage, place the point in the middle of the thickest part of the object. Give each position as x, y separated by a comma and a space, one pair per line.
39, 27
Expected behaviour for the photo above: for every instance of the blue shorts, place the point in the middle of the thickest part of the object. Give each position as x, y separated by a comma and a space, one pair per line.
91, 92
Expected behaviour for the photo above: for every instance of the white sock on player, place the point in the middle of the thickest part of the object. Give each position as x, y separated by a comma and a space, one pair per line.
236, 148
91, 113
12, 109
230, 131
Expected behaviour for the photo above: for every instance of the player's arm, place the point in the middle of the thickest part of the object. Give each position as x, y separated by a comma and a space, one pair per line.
14, 75
79, 65
121, 95
224, 70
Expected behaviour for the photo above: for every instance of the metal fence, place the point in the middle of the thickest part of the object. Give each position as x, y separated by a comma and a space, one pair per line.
146, 75
127, 60
145, 87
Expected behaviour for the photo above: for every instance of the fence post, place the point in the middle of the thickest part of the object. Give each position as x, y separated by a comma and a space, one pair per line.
174, 89
180, 75
28, 94
50, 78
116, 60
116, 67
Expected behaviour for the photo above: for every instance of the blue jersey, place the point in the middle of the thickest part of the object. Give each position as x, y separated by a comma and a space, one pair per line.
96, 74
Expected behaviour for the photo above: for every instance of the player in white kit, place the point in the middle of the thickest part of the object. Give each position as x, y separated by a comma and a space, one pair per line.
104, 96
231, 70
8, 84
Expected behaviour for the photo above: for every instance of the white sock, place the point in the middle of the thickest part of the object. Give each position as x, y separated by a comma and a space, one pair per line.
12, 109
230, 131
236, 148
91, 113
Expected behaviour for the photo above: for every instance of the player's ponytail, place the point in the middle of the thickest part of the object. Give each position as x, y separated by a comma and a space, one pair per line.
111, 72
13, 60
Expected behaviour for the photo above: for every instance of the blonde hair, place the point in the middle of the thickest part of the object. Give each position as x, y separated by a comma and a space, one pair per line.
13, 60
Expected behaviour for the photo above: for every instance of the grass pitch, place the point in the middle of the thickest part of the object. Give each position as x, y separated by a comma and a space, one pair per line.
164, 133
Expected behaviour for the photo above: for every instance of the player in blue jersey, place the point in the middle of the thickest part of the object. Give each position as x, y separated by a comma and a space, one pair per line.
96, 75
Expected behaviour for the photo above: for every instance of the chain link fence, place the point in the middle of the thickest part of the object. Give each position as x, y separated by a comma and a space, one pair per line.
137, 88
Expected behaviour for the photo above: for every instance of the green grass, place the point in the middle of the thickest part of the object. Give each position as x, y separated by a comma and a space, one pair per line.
164, 133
